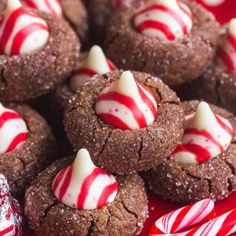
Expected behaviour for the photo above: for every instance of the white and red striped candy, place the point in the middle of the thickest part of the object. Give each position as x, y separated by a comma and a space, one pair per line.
82, 185
52, 7
95, 63
222, 225
183, 218
206, 135
13, 130
21, 31
226, 55
164, 20
126, 104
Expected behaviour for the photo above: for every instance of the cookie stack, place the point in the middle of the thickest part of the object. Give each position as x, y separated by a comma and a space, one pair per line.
116, 105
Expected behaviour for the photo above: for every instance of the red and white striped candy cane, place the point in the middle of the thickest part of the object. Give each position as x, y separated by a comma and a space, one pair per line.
222, 225
183, 218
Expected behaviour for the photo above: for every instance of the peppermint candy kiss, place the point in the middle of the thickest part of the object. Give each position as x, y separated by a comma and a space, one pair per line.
13, 130
21, 31
95, 63
226, 55
52, 7
82, 185
183, 218
126, 104
117, 3
10, 218
206, 135
164, 20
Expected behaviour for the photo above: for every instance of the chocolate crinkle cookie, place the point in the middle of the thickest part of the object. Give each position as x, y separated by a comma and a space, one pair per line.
141, 38
218, 84
204, 164
37, 61
75, 12
57, 207
27, 145
129, 121
100, 12
90, 63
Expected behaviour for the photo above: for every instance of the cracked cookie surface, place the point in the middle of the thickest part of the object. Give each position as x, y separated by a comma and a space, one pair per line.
21, 165
125, 216
214, 86
124, 151
183, 183
174, 62
27, 76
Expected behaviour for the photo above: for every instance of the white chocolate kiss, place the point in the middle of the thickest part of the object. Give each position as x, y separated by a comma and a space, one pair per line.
164, 20
208, 131
95, 63
28, 31
79, 193
139, 115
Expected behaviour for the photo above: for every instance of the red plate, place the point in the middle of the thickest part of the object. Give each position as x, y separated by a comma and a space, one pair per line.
224, 10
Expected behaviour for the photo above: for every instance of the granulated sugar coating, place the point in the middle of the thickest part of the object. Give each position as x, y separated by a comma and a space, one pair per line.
21, 165
124, 216
124, 151
183, 183
27, 76
173, 61
214, 86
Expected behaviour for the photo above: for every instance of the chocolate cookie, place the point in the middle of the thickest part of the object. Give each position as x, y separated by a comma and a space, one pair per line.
21, 165
217, 84
100, 12
184, 183
128, 150
90, 64
214, 86
173, 61
47, 216
75, 12
30, 75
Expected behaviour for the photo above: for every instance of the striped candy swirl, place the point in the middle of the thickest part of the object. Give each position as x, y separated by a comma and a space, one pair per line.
226, 55
21, 31
94, 64
164, 20
206, 135
13, 130
82, 185
183, 218
52, 7
126, 104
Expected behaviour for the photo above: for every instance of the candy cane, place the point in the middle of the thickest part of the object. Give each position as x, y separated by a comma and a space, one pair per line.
183, 218
175, 222
222, 225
